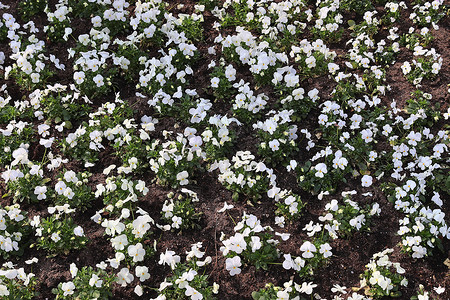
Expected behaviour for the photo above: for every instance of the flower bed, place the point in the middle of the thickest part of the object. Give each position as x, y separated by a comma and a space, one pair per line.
224, 149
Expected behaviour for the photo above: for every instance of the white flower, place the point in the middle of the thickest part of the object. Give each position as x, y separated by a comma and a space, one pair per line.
4, 290
366, 181
308, 249
138, 290
423, 297
176, 222
367, 135
142, 273
32, 261
55, 237
119, 242
79, 77
137, 252
310, 62
439, 290
60, 187
419, 251
434, 68
78, 231
182, 177
225, 207
325, 250
169, 258
289, 263
124, 277
233, 264
215, 82
306, 288
237, 243
274, 145
40, 191
98, 79
73, 270
339, 289
68, 288
20, 155
95, 280
193, 293
321, 169
35, 77
47, 143
96, 21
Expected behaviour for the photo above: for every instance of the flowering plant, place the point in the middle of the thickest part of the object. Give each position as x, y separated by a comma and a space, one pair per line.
58, 233
278, 137
86, 283
16, 283
186, 279
245, 176
29, 8
383, 277
59, 24
345, 218
89, 138
290, 290
252, 242
14, 231
179, 211
72, 189
175, 160
29, 186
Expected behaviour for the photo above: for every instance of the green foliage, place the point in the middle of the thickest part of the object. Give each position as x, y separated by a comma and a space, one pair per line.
172, 160
309, 181
56, 29
187, 274
350, 217
223, 90
63, 108
382, 277
284, 147
134, 55
89, 283
300, 105
30, 8
86, 142
245, 178
289, 205
412, 40
419, 104
17, 284
59, 233
85, 8
192, 27
26, 78
253, 243
3, 32
19, 136
238, 16
80, 195
358, 6
179, 211
22, 187
14, 231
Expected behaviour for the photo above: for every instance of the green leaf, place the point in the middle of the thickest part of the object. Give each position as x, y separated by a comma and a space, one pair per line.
45, 180
351, 24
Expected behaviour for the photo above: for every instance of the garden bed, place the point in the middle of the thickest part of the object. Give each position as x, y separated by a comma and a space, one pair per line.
224, 149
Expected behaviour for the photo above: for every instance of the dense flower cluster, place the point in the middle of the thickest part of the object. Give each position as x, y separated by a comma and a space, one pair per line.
142, 98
